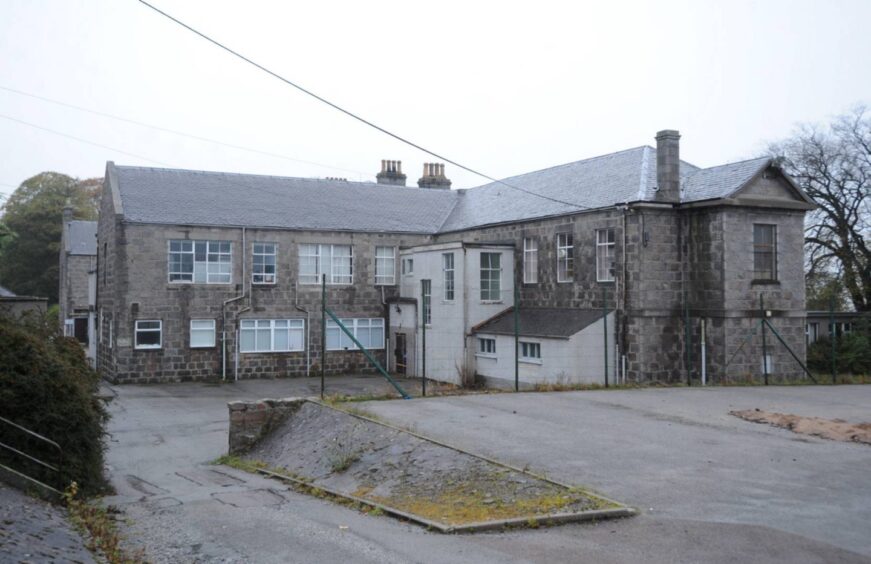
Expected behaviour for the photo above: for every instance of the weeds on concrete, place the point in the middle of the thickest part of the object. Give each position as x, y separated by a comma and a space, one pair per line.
96, 522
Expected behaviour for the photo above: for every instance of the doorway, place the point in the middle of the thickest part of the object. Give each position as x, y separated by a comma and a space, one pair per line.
401, 354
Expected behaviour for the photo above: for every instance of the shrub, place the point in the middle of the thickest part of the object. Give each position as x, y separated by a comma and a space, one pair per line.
853, 350
47, 386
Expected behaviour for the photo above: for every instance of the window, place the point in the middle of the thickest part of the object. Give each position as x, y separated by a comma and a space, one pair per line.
202, 333
201, 262
448, 270
271, 335
565, 257
491, 277
764, 252
426, 295
530, 261
385, 266
605, 245
336, 261
148, 334
813, 332
263, 271
530, 351
486, 346
407, 267
370, 333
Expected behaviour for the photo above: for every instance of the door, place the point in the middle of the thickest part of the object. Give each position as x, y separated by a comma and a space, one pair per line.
401, 353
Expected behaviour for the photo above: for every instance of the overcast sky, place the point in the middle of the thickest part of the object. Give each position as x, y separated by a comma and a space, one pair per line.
503, 87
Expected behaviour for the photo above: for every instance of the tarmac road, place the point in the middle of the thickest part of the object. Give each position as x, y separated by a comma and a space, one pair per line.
710, 487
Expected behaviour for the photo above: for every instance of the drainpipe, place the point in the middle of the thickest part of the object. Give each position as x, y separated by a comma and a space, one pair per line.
224, 315
704, 369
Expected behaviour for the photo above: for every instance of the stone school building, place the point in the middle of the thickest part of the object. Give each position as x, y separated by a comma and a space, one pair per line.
623, 266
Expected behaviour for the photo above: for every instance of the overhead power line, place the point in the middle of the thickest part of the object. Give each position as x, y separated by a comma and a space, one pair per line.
81, 140
175, 131
352, 114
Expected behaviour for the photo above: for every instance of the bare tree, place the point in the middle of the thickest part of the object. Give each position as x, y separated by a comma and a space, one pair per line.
833, 165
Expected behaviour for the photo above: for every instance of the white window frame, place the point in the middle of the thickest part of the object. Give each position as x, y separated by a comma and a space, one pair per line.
262, 277
137, 330
212, 328
385, 266
326, 261
426, 296
605, 250
407, 266
565, 257
487, 293
449, 276
356, 326
486, 347
292, 325
530, 260
211, 269
772, 250
526, 350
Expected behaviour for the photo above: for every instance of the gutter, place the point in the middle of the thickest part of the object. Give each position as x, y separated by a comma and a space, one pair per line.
224, 305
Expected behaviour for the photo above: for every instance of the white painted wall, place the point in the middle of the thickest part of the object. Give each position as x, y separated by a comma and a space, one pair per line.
576, 360
451, 319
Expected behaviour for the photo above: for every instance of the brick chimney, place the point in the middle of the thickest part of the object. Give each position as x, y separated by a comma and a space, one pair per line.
668, 166
391, 173
434, 177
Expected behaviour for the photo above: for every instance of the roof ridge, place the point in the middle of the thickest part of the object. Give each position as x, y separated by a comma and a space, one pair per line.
259, 175
554, 167
734, 163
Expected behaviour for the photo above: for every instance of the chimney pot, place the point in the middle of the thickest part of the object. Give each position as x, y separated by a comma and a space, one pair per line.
434, 177
391, 173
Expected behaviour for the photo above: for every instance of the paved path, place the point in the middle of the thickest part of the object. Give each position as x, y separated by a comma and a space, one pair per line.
720, 490
32, 530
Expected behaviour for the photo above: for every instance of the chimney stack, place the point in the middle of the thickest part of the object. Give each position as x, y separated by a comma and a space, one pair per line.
68, 212
434, 177
668, 166
391, 173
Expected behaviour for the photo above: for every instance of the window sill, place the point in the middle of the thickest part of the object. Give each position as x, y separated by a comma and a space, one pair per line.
354, 349
206, 347
272, 352
489, 302
264, 284
765, 282
536, 361
485, 355
146, 348
608, 282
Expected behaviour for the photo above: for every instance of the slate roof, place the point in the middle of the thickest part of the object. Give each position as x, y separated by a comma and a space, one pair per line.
543, 322
625, 176
185, 197
720, 181
155, 195
82, 238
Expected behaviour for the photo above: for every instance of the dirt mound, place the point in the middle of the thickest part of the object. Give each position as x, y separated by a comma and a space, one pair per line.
834, 429
374, 462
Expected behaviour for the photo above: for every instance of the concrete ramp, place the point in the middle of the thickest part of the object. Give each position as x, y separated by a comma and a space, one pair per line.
358, 458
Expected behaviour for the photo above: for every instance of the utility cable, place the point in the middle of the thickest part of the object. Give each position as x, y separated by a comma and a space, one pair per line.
352, 114
174, 131
79, 139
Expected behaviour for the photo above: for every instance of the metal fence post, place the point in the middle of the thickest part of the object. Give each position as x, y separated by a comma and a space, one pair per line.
605, 325
423, 308
764, 346
832, 338
516, 340
323, 330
